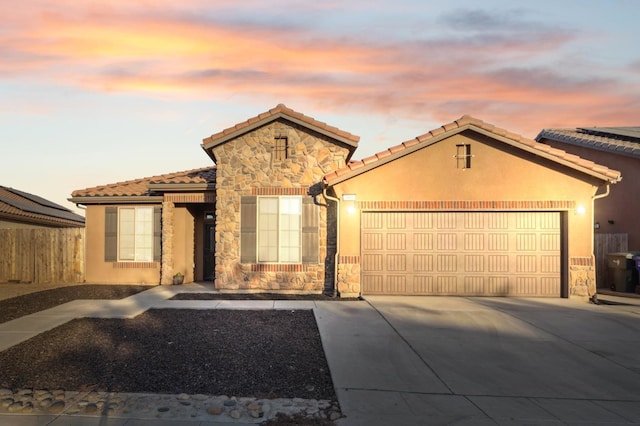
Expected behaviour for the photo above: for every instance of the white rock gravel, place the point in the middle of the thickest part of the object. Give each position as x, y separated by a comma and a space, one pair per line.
219, 408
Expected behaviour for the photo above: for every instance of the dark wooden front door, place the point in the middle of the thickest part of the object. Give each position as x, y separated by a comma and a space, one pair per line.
209, 251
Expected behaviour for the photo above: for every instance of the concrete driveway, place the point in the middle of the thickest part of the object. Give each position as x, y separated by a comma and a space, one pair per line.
443, 360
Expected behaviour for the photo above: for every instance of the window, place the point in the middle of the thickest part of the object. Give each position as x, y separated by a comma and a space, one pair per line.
279, 221
135, 234
132, 234
280, 148
463, 156
278, 230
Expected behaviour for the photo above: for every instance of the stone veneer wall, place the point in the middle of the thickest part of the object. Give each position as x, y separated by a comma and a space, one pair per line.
582, 276
245, 167
349, 276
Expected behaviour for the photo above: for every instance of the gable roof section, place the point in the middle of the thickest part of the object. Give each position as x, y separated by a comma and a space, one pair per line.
617, 140
467, 122
280, 111
149, 188
23, 207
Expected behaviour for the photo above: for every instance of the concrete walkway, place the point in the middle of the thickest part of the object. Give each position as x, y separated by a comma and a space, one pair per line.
432, 360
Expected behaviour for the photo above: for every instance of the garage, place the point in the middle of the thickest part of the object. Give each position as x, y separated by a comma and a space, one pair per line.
468, 209
461, 253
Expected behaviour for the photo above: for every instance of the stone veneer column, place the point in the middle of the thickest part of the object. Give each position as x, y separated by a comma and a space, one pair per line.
349, 276
166, 266
582, 277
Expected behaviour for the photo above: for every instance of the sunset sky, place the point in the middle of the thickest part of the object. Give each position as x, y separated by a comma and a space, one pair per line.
94, 92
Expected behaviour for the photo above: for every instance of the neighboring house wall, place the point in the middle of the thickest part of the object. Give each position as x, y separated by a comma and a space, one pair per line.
619, 212
501, 178
246, 167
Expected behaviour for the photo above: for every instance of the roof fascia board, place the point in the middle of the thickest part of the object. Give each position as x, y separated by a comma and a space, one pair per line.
246, 129
122, 199
209, 152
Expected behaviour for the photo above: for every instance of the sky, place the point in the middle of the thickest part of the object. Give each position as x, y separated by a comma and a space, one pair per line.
96, 92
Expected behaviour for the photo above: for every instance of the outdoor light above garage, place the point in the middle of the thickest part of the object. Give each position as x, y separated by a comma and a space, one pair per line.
351, 208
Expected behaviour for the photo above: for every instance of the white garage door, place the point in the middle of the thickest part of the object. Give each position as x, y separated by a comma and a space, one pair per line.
461, 253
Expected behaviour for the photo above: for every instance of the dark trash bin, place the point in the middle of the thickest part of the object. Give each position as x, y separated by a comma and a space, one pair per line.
637, 260
623, 271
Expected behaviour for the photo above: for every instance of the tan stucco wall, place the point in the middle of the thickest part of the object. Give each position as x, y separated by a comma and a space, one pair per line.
101, 272
496, 174
622, 206
183, 243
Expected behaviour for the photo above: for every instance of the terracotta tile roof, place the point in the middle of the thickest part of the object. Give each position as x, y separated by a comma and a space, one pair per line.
618, 140
140, 187
23, 207
355, 168
279, 111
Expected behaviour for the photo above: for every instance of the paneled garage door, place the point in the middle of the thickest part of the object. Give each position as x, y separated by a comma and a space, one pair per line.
461, 253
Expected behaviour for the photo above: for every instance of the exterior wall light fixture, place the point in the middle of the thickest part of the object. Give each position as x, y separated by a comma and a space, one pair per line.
351, 207
580, 210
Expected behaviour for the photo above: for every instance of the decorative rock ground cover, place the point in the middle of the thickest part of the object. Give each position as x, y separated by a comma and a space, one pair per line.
163, 406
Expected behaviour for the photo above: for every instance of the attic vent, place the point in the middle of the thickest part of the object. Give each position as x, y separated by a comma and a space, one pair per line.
463, 156
280, 148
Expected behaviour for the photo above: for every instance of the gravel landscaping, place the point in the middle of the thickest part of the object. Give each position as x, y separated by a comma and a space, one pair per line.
266, 354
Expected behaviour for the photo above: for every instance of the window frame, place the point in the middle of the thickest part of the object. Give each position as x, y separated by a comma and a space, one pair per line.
463, 156
147, 234
280, 151
263, 257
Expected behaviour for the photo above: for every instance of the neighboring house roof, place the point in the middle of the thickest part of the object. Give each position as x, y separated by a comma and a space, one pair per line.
280, 111
467, 122
617, 140
19, 206
194, 180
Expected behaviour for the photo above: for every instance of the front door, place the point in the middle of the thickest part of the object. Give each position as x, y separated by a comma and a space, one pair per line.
209, 251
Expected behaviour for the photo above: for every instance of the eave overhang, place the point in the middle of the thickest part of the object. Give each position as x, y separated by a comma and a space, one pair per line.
121, 199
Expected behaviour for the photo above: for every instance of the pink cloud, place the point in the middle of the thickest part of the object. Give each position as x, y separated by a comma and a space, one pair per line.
158, 48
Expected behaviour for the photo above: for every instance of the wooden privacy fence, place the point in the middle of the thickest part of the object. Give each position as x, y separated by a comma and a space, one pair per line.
607, 243
41, 256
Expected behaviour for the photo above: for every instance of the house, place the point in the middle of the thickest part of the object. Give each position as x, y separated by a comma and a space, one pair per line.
618, 147
464, 209
21, 210
615, 219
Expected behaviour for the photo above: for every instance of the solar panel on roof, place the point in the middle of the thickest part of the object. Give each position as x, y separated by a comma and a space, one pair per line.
36, 199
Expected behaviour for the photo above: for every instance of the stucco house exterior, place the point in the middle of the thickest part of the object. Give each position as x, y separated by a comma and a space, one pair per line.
467, 208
